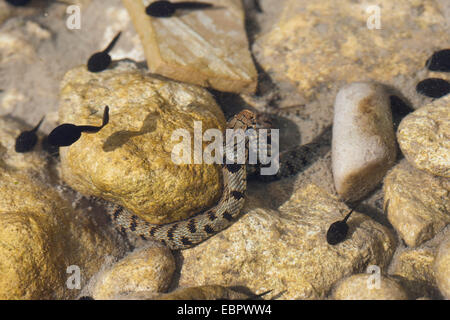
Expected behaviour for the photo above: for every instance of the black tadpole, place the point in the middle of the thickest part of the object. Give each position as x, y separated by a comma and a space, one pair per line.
26, 141
338, 230
67, 133
101, 60
439, 61
18, 3
433, 87
165, 9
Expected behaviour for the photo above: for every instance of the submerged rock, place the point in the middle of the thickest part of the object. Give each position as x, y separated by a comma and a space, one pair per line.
129, 162
363, 144
418, 204
44, 242
318, 45
423, 137
211, 292
208, 292
286, 250
203, 47
442, 268
414, 267
361, 287
146, 269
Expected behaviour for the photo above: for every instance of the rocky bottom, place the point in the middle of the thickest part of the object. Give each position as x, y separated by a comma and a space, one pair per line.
357, 132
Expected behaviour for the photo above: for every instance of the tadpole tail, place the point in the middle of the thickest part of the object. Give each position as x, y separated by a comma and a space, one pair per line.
192, 5
256, 296
348, 215
61, 2
38, 125
94, 129
257, 6
105, 116
90, 129
112, 43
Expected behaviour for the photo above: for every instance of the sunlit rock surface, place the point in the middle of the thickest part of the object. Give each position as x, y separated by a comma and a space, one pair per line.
129, 162
204, 47
286, 250
424, 137
417, 203
41, 235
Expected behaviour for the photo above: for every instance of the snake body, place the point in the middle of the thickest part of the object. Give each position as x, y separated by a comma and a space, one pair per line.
200, 226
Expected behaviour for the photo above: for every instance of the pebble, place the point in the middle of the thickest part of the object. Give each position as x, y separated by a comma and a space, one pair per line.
360, 287
207, 292
146, 269
363, 143
414, 268
423, 137
442, 268
417, 203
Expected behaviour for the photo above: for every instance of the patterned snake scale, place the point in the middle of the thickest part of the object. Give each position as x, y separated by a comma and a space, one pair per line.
187, 233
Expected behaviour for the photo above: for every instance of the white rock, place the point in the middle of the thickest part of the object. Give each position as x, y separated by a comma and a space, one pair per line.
363, 144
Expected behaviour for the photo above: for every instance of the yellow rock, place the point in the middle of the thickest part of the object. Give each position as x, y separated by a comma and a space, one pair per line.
286, 250
442, 268
361, 287
320, 45
147, 269
414, 269
40, 234
211, 292
204, 47
129, 161
418, 204
424, 139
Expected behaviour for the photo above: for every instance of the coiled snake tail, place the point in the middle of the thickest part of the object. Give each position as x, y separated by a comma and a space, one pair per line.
200, 226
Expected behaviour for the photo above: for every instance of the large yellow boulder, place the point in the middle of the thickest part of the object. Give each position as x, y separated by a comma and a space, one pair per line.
44, 243
129, 162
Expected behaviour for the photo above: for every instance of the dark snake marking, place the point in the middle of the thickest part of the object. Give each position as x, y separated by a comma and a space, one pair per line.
200, 226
